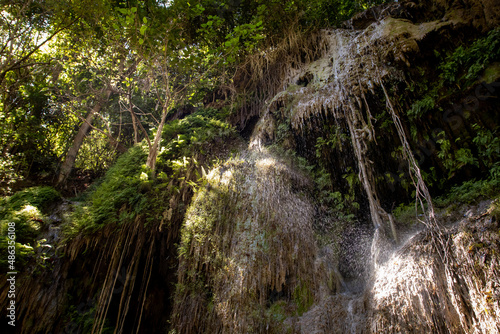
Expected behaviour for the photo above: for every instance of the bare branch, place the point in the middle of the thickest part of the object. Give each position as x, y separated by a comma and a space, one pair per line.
36, 48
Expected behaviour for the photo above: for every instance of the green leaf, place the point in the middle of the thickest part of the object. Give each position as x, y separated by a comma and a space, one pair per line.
133, 9
145, 20
141, 41
143, 30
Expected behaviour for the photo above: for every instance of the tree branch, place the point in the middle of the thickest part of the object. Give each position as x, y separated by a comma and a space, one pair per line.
23, 59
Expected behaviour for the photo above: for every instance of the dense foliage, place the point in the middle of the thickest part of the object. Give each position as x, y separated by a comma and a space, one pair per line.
25, 215
135, 60
129, 190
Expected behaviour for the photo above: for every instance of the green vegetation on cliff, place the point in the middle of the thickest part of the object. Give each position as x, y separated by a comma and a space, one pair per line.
129, 189
22, 216
242, 166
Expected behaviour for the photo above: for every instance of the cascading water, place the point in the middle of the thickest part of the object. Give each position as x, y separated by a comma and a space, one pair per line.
422, 281
246, 248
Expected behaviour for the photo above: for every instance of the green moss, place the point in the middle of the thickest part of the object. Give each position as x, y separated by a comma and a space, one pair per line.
293, 88
396, 27
116, 198
303, 298
191, 135
491, 73
40, 197
129, 189
205, 217
277, 311
23, 214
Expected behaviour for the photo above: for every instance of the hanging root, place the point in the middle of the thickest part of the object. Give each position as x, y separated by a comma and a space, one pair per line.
122, 274
261, 76
456, 285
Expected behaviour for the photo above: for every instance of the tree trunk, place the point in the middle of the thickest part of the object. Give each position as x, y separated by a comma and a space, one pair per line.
69, 161
153, 149
134, 121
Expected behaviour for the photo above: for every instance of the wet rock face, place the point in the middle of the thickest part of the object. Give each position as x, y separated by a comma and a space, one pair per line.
417, 289
247, 250
401, 10
414, 293
480, 15
250, 260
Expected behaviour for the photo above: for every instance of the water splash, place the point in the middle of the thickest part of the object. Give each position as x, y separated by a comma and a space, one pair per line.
250, 231
247, 248
414, 285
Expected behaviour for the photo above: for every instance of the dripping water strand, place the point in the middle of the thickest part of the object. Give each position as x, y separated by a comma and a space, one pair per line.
421, 191
442, 245
144, 288
360, 136
103, 306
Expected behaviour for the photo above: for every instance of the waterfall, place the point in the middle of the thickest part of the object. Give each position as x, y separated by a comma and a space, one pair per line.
250, 256
247, 248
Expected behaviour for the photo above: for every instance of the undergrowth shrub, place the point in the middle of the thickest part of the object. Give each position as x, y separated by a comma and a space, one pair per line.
129, 190
24, 214
117, 193
460, 69
40, 197
488, 143
466, 63
191, 134
456, 74
470, 192
81, 320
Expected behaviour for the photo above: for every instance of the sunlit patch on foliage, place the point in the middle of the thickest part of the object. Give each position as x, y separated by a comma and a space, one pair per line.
129, 189
25, 212
249, 217
117, 198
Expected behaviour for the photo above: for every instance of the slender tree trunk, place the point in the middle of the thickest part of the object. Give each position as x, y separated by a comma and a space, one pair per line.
134, 121
153, 149
134, 124
69, 161
113, 142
